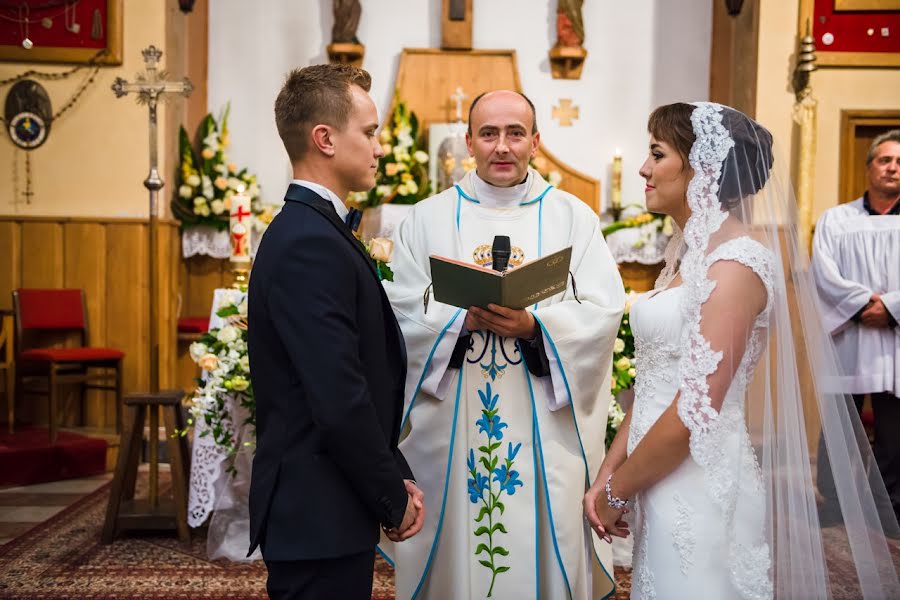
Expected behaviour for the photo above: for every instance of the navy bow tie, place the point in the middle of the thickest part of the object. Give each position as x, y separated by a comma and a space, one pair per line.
353, 219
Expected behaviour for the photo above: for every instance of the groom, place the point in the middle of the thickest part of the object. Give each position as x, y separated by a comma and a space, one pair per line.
327, 358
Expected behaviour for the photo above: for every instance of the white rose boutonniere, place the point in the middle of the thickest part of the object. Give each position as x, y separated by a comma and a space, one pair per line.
381, 250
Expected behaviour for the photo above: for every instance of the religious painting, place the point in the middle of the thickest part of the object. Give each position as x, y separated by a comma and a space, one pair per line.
61, 31
853, 33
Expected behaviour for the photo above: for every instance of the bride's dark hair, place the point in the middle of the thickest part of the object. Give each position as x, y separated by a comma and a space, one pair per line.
751, 156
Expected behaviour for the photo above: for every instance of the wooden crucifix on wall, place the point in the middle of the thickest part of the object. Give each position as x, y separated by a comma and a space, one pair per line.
456, 24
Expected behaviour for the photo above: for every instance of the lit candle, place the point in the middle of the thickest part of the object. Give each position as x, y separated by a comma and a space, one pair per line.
239, 226
615, 200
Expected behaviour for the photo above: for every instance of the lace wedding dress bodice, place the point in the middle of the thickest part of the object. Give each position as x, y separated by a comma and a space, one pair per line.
698, 532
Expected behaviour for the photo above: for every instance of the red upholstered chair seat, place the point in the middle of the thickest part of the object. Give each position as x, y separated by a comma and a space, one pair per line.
61, 312
193, 325
868, 417
71, 354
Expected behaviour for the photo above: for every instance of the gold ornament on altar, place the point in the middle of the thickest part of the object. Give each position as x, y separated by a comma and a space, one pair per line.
452, 155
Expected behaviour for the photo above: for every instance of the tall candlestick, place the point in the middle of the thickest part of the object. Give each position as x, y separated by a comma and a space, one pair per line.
239, 228
615, 199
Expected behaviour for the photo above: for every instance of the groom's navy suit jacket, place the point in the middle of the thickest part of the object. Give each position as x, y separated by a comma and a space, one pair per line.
328, 367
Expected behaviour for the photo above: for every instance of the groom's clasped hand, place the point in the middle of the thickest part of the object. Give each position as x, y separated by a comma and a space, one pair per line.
414, 516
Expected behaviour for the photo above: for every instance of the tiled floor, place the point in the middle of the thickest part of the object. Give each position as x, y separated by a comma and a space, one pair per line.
21, 508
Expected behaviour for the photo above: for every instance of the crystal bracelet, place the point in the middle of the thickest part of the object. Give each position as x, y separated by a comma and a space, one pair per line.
613, 501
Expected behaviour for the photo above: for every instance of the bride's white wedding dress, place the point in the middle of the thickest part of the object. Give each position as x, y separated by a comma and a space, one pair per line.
699, 532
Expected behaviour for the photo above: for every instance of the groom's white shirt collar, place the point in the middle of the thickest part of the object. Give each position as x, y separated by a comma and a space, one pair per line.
326, 194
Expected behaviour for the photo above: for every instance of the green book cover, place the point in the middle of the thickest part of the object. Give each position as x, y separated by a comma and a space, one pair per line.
464, 285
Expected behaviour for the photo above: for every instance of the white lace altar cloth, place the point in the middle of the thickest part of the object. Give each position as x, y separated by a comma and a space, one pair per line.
216, 494
207, 241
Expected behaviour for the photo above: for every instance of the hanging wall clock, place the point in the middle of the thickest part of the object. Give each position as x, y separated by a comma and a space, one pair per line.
28, 114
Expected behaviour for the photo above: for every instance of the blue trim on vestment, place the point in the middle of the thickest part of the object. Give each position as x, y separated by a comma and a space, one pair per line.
384, 555
587, 476
427, 364
440, 523
537, 429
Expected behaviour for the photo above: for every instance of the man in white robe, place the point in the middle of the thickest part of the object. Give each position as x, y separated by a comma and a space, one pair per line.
856, 265
506, 410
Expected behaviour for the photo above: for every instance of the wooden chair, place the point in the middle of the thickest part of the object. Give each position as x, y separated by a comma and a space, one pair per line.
43, 314
7, 365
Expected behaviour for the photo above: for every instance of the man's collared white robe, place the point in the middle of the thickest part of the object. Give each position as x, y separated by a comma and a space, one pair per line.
503, 456
856, 254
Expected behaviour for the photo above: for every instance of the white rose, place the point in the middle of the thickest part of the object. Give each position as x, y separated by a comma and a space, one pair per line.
253, 190
235, 183
402, 190
385, 135
245, 363
199, 201
185, 191
553, 178
217, 207
381, 249
412, 187
384, 190
192, 180
421, 156
197, 350
220, 168
242, 307
203, 211
632, 372
618, 345
228, 334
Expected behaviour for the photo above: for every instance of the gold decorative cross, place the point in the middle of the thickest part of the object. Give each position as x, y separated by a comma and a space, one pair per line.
565, 113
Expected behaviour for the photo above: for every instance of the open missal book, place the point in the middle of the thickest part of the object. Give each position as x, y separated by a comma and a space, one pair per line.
464, 285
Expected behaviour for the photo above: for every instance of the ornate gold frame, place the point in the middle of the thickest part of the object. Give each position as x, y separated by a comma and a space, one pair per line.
58, 54
850, 59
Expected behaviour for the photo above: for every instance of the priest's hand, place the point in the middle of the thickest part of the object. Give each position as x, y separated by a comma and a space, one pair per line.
876, 314
505, 322
414, 517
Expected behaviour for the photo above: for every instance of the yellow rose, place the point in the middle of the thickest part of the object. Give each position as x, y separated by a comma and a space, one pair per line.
632, 372
618, 345
208, 362
239, 384
623, 363
405, 177
381, 249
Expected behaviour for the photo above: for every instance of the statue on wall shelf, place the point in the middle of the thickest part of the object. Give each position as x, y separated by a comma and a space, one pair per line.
346, 20
567, 56
569, 23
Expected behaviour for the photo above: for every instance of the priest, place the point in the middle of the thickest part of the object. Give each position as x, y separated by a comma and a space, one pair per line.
506, 410
856, 265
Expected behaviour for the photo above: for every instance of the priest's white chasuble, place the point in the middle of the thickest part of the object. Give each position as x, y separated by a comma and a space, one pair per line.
504, 456
855, 255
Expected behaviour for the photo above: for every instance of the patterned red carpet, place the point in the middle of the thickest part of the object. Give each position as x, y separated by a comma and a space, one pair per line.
63, 558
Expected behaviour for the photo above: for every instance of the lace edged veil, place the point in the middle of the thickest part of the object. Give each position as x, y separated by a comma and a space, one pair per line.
755, 387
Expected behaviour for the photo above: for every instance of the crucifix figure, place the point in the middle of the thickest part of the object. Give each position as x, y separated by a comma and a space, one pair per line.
458, 96
151, 87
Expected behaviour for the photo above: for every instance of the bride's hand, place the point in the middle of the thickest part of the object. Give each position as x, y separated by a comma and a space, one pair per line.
593, 499
611, 519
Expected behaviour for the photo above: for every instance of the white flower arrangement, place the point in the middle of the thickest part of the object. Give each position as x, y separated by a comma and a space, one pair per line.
222, 354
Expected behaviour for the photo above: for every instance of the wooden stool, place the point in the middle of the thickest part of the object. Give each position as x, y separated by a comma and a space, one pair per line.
124, 512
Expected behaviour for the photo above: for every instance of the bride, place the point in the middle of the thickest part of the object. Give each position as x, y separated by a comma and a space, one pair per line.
712, 462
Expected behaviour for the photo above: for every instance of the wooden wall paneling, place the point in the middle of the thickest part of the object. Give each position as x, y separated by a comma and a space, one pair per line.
42, 254
205, 275
10, 274
84, 257
127, 311
734, 56
10, 261
167, 260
